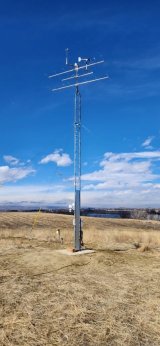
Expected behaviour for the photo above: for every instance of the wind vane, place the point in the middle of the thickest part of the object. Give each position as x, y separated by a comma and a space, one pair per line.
82, 64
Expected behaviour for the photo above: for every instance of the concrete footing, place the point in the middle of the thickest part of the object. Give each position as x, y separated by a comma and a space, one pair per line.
70, 252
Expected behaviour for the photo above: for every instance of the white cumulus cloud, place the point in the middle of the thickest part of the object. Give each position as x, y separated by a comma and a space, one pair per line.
8, 174
123, 171
147, 143
120, 180
58, 157
11, 160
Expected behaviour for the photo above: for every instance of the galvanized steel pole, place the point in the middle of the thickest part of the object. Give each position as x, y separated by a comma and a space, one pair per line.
82, 64
77, 172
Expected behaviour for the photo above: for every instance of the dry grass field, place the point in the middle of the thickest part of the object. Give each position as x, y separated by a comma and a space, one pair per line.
110, 297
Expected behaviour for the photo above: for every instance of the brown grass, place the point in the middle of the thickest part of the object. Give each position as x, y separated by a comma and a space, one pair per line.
110, 297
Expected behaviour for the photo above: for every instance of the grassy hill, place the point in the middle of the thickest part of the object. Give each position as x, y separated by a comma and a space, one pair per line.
110, 297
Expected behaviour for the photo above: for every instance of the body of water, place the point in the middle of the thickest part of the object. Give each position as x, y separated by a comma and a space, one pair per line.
108, 216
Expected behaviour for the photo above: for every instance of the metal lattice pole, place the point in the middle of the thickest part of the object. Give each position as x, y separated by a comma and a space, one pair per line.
82, 64
77, 172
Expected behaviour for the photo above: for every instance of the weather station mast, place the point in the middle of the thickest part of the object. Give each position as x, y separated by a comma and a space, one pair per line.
83, 64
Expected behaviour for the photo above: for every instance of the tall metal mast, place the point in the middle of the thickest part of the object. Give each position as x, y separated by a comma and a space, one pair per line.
81, 64
78, 241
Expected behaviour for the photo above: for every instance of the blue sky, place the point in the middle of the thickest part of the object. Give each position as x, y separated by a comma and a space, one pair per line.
120, 116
